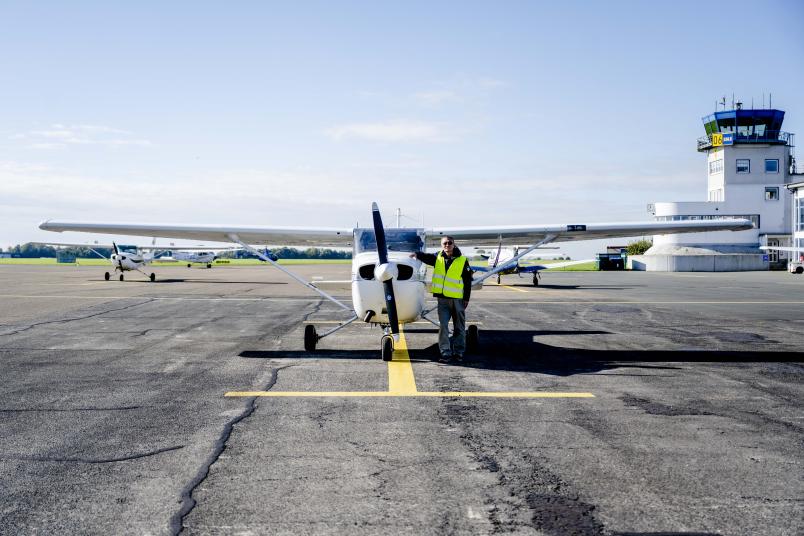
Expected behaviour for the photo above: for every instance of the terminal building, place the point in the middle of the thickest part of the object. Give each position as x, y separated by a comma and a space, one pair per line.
749, 163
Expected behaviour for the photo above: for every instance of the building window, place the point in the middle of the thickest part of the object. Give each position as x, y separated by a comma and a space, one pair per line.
771, 193
716, 166
772, 165
743, 165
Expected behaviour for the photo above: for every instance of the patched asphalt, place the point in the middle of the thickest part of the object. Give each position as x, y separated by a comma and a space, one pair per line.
114, 419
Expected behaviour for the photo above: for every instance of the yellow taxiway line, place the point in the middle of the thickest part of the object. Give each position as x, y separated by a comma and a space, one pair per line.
402, 383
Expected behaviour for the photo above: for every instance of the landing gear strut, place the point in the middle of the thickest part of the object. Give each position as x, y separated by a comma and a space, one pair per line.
387, 348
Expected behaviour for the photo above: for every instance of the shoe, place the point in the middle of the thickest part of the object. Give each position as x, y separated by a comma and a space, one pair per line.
444, 358
457, 358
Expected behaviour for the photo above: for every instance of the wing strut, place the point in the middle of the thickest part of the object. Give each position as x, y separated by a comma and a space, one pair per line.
234, 238
545, 240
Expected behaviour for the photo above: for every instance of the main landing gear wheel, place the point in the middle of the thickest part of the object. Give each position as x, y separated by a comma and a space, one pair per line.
310, 338
499, 278
472, 338
209, 266
535, 280
121, 277
106, 276
387, 348
152, 277
799, 270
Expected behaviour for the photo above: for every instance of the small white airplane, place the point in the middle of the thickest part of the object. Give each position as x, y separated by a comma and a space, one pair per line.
796, 264
503, 258
388, 286
190, 257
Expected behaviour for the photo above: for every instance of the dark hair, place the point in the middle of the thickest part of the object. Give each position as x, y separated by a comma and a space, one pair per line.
448, 237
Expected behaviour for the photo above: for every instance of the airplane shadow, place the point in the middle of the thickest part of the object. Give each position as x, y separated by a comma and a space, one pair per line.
213, 282
518, 351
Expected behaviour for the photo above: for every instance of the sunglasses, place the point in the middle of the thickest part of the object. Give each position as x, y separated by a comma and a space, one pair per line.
447, 243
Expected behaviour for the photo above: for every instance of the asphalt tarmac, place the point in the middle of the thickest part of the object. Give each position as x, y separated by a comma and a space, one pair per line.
598, 403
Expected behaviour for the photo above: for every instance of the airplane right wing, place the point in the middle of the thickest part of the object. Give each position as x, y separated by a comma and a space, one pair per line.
518, 234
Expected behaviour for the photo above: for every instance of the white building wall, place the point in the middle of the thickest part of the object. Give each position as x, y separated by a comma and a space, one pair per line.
736, 194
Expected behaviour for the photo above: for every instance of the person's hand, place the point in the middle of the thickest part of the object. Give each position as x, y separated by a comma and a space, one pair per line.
465, 304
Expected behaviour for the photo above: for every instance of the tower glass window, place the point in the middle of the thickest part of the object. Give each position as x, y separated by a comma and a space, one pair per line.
743, 165
771, 193
771, 165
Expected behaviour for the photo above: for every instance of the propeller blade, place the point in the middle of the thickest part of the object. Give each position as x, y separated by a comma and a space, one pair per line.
379, 233
388, 285
390, 306
115, 249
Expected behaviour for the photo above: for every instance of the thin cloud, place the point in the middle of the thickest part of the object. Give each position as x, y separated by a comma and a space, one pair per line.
391, 131
59, 136
436, 97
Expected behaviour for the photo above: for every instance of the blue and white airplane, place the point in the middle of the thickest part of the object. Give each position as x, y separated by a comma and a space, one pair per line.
503, 258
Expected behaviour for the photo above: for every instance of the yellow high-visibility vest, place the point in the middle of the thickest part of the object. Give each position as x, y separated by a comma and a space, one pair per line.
448, 283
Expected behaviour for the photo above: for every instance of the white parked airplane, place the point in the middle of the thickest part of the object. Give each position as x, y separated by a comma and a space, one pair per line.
190, 257
124, 258
388, 286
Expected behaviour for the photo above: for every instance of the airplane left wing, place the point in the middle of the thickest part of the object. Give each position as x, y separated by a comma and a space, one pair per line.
518, 234
296, 236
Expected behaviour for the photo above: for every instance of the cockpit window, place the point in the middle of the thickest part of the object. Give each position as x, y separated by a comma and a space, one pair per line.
408, 240
127, 249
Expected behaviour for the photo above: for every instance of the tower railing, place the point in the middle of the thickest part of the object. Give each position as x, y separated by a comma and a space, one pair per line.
768, 136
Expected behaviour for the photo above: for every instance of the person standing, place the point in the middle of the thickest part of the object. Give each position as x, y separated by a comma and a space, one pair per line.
452, 287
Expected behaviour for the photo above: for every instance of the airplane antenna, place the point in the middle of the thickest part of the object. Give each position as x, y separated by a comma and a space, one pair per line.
770, 100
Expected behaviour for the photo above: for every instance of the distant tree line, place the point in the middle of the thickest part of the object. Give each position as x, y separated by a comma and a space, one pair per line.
35, 251
291, 253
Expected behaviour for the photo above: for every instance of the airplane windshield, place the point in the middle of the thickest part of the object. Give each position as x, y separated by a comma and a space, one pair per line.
397, 239
127, 249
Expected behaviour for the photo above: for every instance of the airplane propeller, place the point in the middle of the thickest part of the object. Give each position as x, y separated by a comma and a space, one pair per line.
119, 257
385, 271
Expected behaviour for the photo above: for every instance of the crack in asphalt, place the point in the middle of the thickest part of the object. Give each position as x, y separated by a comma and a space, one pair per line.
188, 502
88, 460
66, 320
552, 506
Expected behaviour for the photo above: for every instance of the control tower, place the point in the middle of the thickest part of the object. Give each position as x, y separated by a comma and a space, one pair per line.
749, 160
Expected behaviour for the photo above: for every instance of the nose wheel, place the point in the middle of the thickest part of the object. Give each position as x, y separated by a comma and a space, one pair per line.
387, 348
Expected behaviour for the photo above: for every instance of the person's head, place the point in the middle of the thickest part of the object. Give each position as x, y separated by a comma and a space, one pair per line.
447, 245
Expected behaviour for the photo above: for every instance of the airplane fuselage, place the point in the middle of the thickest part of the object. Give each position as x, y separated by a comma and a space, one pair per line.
410, 285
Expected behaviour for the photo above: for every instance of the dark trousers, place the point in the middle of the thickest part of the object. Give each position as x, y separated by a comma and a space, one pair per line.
451, 308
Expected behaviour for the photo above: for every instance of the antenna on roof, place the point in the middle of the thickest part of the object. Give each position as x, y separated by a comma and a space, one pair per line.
770, 100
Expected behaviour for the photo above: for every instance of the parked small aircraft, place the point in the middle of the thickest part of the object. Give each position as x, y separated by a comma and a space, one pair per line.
190, 257
388, 286
502, 257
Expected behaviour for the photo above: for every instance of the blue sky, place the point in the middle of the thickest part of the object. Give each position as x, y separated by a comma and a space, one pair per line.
465, 113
